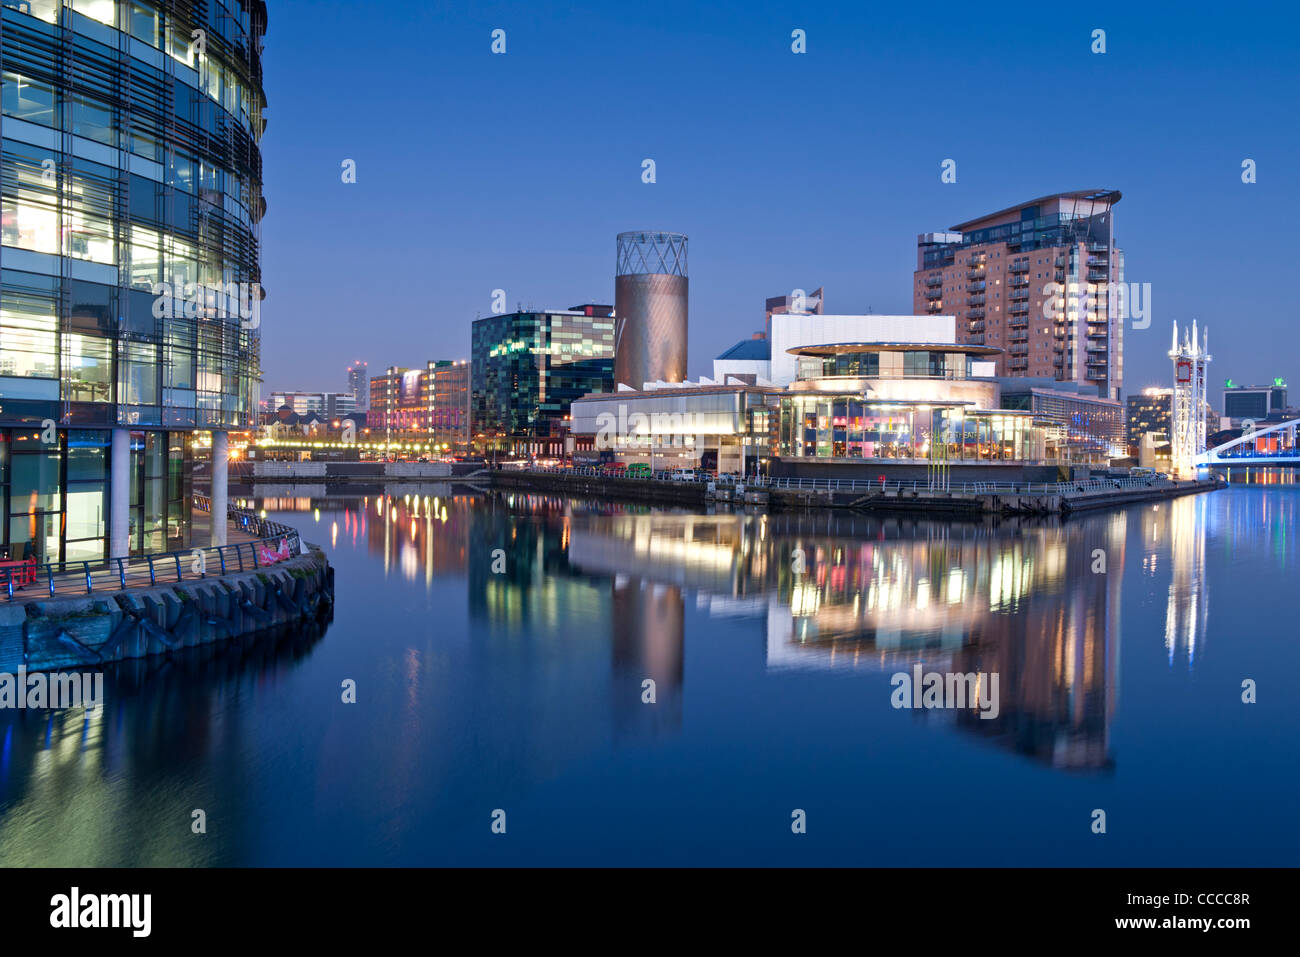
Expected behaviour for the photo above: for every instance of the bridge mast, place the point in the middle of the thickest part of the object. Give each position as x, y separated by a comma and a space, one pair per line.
1190, 359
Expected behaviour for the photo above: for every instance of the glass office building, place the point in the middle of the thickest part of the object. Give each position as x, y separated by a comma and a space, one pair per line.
129, 276
528, 367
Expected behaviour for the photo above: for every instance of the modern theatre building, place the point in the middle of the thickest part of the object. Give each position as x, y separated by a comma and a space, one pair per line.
854, 410
132, 191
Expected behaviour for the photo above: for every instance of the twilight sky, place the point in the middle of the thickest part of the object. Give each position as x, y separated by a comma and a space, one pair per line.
478, 171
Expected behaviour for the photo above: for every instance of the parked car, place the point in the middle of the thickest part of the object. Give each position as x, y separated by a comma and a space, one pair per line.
638, 470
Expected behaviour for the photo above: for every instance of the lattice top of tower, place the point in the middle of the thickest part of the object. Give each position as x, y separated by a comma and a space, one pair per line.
643, 252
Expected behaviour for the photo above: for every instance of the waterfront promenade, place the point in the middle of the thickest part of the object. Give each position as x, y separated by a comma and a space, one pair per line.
84, 614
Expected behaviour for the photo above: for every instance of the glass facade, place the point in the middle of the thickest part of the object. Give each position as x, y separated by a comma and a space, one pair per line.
55, 488
526, 369
131, 186
888, 364
848, 427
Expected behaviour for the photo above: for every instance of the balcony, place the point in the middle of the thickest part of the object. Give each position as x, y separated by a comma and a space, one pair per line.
1018, 282
1018, 309
933, 281
975, 300
976, 313
975, 273
976, 286
1018, 295
1096, 275
976, 327
934, 307
1020, 267
934, 294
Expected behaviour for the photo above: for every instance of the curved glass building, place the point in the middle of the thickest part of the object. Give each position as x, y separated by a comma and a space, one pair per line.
129, 276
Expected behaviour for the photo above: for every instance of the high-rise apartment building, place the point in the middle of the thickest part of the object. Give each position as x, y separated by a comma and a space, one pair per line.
1038, 280
131, 286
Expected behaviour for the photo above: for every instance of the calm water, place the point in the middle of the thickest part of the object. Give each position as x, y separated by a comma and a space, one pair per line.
522, 690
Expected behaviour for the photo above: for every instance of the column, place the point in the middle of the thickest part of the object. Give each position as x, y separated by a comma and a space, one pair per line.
119, 494
220, 479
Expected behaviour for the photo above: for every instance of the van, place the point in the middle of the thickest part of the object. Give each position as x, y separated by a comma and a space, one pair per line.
683, 475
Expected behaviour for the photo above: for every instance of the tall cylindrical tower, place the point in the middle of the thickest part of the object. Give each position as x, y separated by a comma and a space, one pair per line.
650, 288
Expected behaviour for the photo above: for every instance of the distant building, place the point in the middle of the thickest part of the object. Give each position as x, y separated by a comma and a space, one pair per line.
328, 404
1254, 401
386, 397
1149, 411
1033, 280
359, 383
798, 302
528, 367
429, 405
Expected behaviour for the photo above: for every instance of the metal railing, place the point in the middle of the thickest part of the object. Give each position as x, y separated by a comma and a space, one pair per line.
866, 485
273, 543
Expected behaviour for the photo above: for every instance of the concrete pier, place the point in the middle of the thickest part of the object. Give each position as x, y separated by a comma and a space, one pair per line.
1058, 499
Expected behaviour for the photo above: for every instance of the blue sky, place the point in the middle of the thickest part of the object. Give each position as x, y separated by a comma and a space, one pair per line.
478, 171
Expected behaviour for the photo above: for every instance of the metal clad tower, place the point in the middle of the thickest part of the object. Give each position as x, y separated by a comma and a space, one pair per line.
650, 287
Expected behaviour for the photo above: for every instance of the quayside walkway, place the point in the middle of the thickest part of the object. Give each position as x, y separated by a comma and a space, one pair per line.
252, 543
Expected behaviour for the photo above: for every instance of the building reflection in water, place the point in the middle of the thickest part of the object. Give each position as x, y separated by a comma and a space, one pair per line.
1025, 599
841, 590
62, 773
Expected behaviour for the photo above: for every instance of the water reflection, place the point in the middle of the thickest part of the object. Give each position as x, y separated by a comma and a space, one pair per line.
501, 642
1038, 602
117, 787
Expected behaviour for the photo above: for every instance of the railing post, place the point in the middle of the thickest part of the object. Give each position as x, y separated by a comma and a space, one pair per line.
49, 571
152, 579
89, 589
178, 567
121, 572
